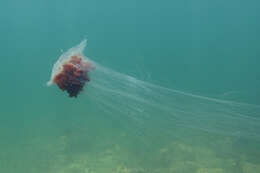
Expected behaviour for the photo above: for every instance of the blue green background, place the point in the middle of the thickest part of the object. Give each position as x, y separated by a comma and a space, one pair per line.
209, 48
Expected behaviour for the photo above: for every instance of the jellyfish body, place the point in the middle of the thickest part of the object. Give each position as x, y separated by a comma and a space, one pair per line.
73, 76
70, 72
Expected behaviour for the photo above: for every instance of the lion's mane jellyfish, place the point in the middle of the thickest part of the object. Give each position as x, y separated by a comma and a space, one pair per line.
70, 72
146, 108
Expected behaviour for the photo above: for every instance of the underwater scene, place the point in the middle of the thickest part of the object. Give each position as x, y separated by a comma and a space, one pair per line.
130, 86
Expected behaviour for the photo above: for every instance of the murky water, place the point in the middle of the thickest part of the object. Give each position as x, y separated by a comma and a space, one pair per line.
176, 89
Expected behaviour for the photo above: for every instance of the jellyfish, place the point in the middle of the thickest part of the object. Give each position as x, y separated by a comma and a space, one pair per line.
146, 108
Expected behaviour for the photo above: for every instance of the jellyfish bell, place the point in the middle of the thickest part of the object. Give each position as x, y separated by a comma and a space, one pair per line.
73, 76
70, 72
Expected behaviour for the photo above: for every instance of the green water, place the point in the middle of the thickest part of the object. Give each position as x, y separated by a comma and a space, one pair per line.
205, 48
